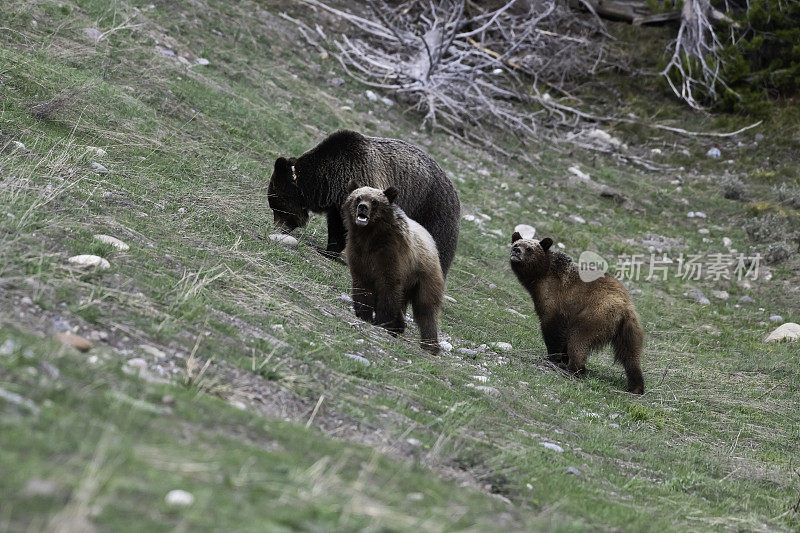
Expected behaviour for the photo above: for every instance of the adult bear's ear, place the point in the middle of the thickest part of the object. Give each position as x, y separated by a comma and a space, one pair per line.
391, 193
515, 237
352, 185
281, 165
546, 243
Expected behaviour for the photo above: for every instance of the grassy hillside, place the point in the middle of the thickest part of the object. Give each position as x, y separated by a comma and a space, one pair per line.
221, 361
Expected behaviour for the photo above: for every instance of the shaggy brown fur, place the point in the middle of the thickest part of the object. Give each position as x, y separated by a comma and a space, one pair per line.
317, 181
392, 260
578, 317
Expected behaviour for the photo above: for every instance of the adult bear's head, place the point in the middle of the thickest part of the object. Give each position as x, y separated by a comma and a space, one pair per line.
284, 196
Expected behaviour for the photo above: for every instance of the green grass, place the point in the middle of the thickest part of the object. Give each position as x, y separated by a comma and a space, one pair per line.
255, 409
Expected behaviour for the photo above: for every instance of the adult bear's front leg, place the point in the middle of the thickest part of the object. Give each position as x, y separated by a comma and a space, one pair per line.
389, 310
337, 234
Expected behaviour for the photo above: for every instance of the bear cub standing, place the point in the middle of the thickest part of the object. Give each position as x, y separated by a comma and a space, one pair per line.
392, 260
578, 317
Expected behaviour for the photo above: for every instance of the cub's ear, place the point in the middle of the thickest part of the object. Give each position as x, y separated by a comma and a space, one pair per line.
546, 243
391, 193
352, 185
281, 165
515, 237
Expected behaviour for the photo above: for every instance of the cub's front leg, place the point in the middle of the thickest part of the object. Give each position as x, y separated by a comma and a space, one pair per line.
389, 308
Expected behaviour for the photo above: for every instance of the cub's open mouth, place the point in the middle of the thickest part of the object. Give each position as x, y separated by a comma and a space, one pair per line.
361, 220
516, 256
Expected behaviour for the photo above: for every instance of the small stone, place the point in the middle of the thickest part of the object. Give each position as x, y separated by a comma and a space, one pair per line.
18, 145
76, 341
703, 231
450, 299
202, 61
502, 346
776, 318
527, 231
7, 348
26, 300
238, 404
346, 298
39, 487
446, 346
561, 245
371, 96
152, 350
488, 391
551, 446
93, 360
415, 496
698, 296
574, 471
468, 351
414, 442
166, 52
93, 34
336, 81
136, 362
789, 331
179, 498
100, 169
746, 300
721, 295
358, 358
286, 240
469, 218
97, 151
481, 379
700, 214
714, 153
726, 242
113, 241
578, 219
181, 210
612, 425
759, 137
90, 261
387, 101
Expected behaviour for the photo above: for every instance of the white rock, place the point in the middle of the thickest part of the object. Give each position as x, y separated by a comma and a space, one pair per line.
561, 245
714, 153
113, 241
488, 391
355, 357
97, 151
574, 471
578, 219
722, 295
551, 446
497, 71
286, 240
152, 350
579, 173
527, 231
202, 61
239, 404
18, 145
469, 218
726, 242
703, 231
698, 296
481, 379
414, 442
137, 362
700, 214
789, 331
346, 298
371, 96
90, 261
388, 101
8, 347
776, 318
446, 346
100, 169
503, 346
179, 498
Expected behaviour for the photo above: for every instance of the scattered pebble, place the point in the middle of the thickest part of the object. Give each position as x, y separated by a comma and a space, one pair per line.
387, 101
574, 471
727, 242
561, 245
90, 261
7, 348
100, 169
714, 153
346, 298
286, 240
468, 351
759, 137
358, 358
502, 346
551, 446
446, 346
746, 300
202, 61
703, 231
93, 33
721, 295
113, 241
414, 442
482, 379
239, 404
612, 425
698, 296
166, 52
578, 219
97, 151
336, 81
527, 231
136, 362
179, 498
776, 318
789, 331
76, 341
488, 391
371, 96
39, 487
152, 350
16, 399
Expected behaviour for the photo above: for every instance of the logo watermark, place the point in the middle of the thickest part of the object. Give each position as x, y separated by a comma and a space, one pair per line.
694, 267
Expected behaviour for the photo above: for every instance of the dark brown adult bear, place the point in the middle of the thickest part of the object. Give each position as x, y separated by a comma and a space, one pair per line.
578, 317
392, 260
317, 181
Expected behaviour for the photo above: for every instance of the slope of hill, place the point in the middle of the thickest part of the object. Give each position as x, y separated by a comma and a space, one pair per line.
231, 367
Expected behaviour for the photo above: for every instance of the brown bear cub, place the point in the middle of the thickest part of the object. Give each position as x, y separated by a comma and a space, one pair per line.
393, 260
578, 317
